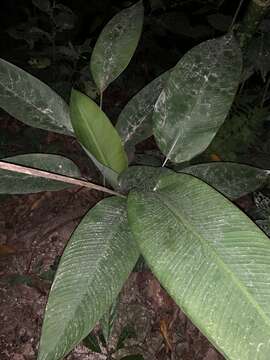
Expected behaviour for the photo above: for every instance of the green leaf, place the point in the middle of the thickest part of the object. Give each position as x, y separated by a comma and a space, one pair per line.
116, 45
143, 178
231, 179
212, 259
96, 133
15, 183
110, 176
197, 98
147, 158
134, 123
96, 262
31, 101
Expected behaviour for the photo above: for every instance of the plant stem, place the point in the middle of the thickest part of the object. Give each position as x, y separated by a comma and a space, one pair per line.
236, 14
255, 12
101, 100
51, 176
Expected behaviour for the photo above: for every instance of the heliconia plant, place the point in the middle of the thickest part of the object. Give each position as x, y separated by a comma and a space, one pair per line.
209, 256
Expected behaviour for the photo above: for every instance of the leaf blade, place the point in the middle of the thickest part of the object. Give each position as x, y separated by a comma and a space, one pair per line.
134, 123
212, 259
116, 45
141, 178
197, 98
16, 183
231, 179
31, 101
95, 264
96, 133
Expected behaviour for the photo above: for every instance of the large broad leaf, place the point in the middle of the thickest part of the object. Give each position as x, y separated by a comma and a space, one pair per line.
134, 123
212, 259
197, 98
31, 101
116, 45
142, 178
231, 179
96, 133
16, 183
92, 271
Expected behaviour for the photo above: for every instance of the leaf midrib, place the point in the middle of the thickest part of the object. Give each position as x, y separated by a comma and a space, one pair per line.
196, 102
23, 99
183, 219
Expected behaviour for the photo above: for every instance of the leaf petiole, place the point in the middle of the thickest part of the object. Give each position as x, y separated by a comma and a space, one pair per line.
48, 175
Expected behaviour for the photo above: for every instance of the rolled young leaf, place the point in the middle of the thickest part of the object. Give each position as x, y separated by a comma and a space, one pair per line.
96, 262
116, 45
212, 259
197, 98
31, 101
96, 133
134, 123
16, 183
231, 179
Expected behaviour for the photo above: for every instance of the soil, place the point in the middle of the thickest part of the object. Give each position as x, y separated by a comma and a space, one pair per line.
34, 231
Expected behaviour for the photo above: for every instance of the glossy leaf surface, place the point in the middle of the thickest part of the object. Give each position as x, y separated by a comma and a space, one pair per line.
197, 98
134, 123
96, 133
116, 45
15, 183
231, 179
31, 101
212, 259
96, 262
